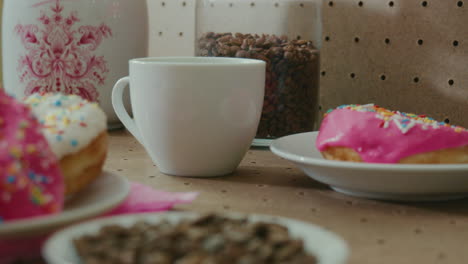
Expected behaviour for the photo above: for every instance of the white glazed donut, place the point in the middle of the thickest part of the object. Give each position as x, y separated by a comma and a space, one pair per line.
77, 133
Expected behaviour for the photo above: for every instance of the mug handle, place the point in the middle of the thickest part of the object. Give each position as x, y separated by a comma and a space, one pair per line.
119, 108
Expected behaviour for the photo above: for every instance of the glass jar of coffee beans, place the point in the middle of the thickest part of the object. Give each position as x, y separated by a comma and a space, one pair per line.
286, 35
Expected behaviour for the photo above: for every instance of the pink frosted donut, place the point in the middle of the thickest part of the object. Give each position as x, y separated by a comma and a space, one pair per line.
30, 180
370, 133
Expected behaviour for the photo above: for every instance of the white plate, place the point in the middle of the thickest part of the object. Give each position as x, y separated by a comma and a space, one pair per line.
326, 246
404, 182
258, 142
106, 192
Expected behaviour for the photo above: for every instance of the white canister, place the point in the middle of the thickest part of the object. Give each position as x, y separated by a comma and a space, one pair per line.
72, 46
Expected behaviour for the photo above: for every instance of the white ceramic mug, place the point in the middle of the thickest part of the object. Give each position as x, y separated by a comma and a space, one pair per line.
72, 46
195, 116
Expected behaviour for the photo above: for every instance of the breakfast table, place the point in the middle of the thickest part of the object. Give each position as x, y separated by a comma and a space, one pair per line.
376, 231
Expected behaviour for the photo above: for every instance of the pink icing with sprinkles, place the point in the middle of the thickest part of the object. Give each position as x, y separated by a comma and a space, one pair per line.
31, 183
380, 135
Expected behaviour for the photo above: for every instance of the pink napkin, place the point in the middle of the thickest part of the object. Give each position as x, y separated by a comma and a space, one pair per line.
144, 199
141, 199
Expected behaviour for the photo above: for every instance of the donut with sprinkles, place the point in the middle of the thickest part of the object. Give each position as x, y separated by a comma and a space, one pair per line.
31, 183
370, 133
76, 130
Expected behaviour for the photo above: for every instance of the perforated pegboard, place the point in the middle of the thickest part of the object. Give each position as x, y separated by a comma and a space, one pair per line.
408, 55
172, 27
173, 23
292, 18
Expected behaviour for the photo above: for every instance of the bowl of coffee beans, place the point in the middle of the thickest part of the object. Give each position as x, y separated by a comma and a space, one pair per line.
191, 238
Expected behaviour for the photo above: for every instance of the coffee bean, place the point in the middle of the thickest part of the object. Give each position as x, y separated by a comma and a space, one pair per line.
234, 49
241, 54
288, 55
239, 35
207, 239
225, 38
236, 42
259, 42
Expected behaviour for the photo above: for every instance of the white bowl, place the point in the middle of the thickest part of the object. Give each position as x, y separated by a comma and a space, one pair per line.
326, 246
407, 182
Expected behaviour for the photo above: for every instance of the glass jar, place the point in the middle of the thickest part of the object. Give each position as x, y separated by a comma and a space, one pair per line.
284, 33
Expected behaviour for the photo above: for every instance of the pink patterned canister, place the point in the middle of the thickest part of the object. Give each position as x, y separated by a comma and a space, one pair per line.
71, 46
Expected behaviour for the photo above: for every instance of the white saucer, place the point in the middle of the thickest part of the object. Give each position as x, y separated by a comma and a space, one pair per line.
403, 182
326, 246
106, 192
259, 142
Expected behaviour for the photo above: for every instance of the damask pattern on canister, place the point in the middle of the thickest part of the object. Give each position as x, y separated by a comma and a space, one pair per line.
61, 55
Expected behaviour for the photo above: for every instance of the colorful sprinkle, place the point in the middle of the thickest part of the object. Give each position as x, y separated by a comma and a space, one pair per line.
24, 124
37, 196
404, 121
11, 179
31, 175
20, 134
15, 152
14, 168
74, 142
30, 149
22, 183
